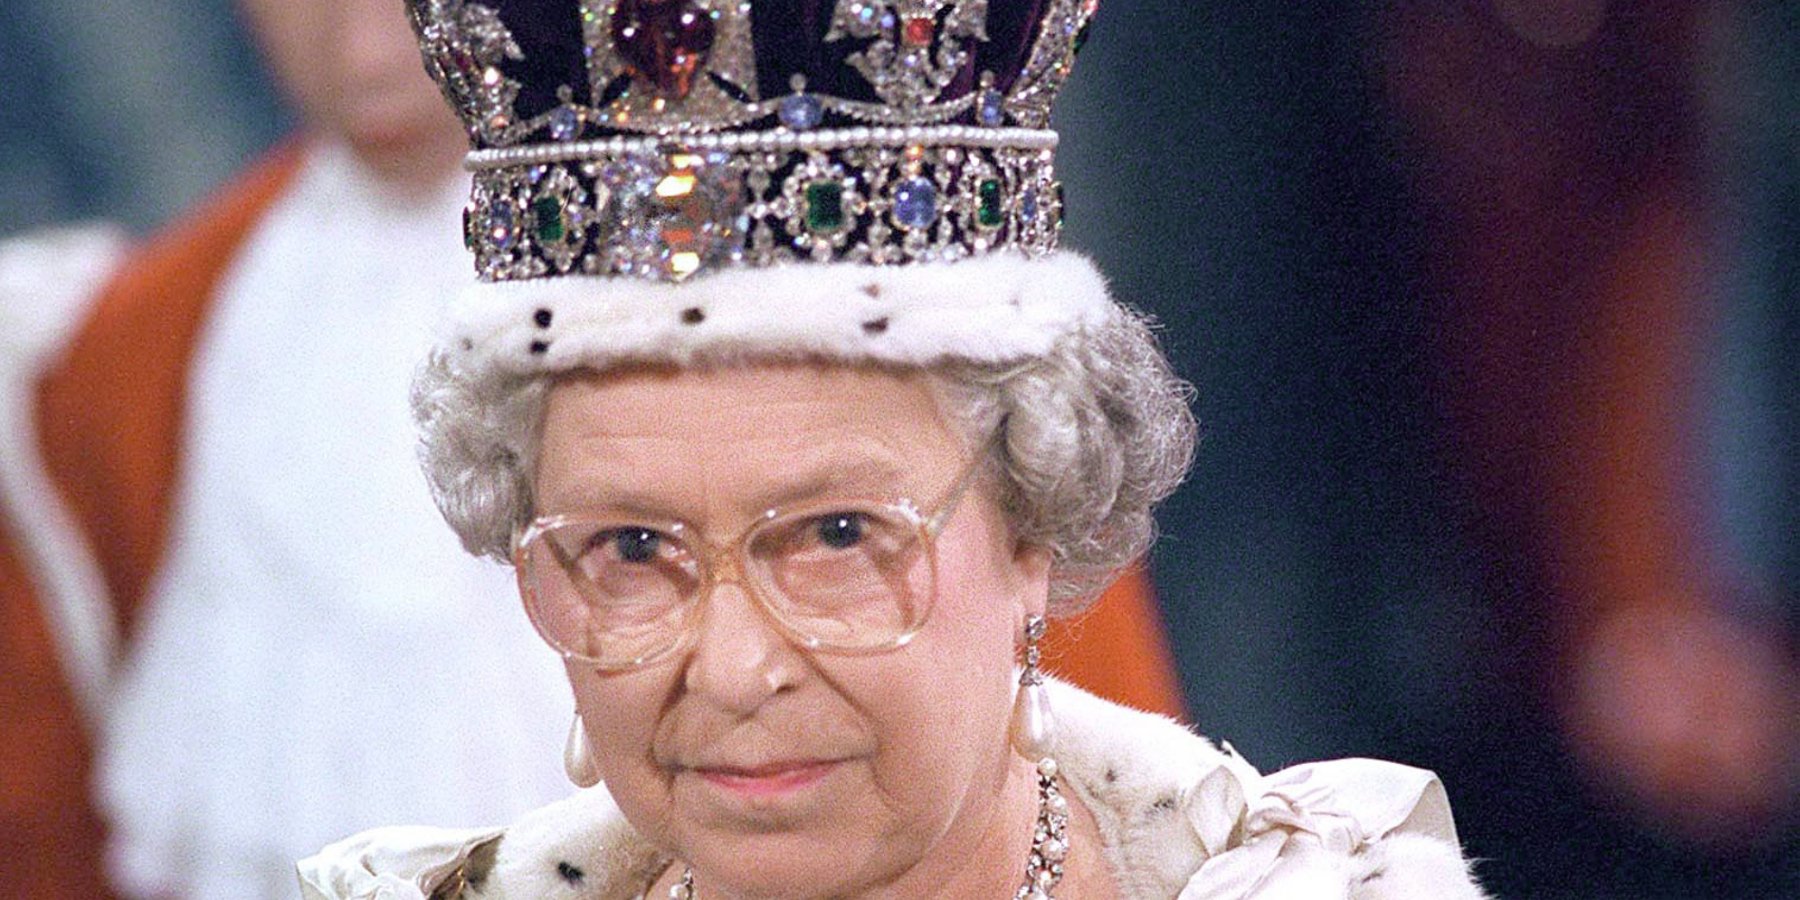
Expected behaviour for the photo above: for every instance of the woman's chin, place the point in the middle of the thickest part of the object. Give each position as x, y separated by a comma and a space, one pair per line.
781, 832
787, 865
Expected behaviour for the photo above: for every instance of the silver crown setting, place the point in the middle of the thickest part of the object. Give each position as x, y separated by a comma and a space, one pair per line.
697, 172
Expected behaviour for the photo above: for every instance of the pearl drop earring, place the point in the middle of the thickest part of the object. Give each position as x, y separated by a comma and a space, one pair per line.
1033, 725
578, 756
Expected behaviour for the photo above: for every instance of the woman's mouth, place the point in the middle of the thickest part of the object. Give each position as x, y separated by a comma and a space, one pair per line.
773, 780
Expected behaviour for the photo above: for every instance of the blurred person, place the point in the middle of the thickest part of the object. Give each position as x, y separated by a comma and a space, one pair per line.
1578, 326
220, 432
296, 508
227, 427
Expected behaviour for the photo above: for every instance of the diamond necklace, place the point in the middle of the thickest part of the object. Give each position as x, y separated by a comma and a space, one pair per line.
1043, 865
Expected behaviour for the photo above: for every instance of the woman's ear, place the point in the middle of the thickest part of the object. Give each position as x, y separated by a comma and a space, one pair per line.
1032, 563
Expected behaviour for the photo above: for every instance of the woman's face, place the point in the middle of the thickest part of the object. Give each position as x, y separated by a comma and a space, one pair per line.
769, 768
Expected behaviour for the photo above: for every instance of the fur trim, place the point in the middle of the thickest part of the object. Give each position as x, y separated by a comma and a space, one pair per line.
995, 308
580, 848
1181, 817
1135, 796
1413, 867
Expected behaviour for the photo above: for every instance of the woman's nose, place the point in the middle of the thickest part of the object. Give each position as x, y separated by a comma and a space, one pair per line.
738, 659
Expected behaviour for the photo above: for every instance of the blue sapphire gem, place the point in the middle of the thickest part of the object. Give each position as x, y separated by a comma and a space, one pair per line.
1028, 204
915, 203
991, 110
801, 112
565, 123
502, 224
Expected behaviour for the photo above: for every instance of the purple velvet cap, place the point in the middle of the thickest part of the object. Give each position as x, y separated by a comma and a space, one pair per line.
553, 60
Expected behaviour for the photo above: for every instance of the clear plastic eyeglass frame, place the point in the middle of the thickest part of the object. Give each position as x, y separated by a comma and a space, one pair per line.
563, 602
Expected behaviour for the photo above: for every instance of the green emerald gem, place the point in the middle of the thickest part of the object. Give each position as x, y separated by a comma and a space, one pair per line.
989, 211
824, 206
548, 211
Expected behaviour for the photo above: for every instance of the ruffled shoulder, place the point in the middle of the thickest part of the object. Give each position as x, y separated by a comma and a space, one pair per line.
1352, 828
580, 848
398, 863
1183, 818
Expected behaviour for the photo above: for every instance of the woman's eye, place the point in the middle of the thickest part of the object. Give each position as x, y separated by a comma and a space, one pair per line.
632, 545
840, 530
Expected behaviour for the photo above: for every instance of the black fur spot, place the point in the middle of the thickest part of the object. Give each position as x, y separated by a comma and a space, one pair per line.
693, 315
542, 318
872, 289
876, 326
1164, 804
481, 862
540, 347
1112, 775
570, 873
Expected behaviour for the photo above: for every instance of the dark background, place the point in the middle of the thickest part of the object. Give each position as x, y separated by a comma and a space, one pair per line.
1351, 568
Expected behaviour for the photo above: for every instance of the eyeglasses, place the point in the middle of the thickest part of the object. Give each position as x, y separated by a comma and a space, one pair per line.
849, 577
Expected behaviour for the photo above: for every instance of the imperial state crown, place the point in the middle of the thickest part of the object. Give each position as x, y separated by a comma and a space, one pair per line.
667, 139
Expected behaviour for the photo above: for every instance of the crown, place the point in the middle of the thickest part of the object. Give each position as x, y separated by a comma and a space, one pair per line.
667, 138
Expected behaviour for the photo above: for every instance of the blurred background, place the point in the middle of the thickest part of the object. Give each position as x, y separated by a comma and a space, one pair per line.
1490, 306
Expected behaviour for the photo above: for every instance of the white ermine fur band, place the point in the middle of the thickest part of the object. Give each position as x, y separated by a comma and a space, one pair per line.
989, 309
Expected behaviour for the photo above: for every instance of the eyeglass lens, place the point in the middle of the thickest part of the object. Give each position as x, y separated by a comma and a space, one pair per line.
849, 578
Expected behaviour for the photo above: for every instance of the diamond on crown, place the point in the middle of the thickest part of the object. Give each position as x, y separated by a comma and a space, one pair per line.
464, 46
899, 64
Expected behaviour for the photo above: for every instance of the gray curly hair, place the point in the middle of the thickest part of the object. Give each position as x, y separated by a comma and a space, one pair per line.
1087, 439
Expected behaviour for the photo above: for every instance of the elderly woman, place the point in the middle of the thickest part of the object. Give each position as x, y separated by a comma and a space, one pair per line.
796, 426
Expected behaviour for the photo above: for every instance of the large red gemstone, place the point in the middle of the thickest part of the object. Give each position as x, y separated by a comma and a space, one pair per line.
663, 42
916, 31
